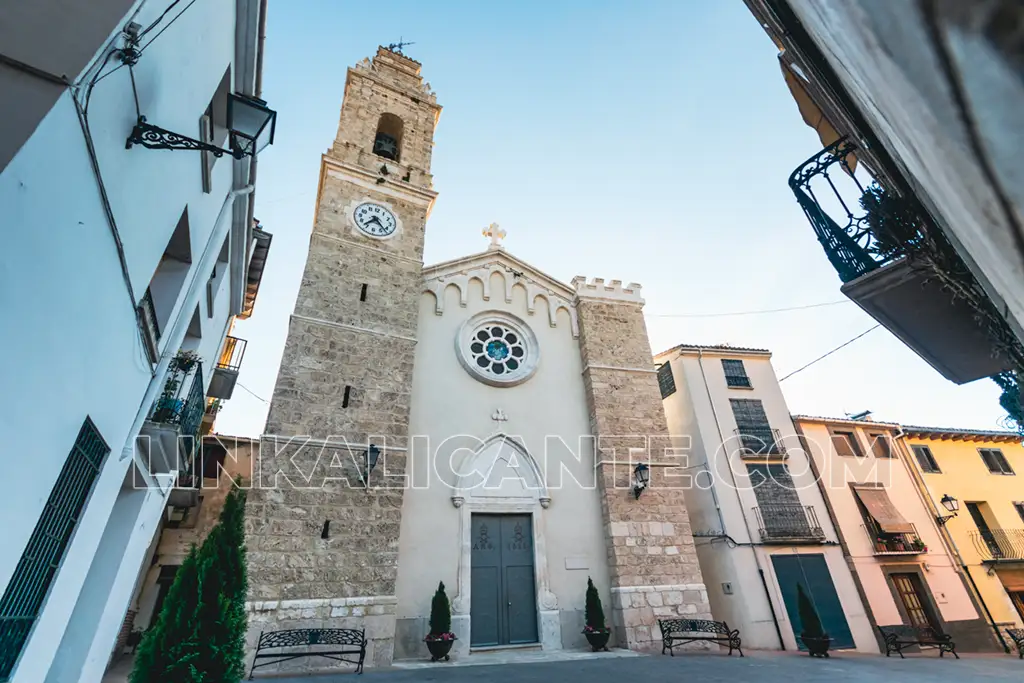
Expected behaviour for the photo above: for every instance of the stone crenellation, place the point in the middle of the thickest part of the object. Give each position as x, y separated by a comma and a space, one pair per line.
614, 290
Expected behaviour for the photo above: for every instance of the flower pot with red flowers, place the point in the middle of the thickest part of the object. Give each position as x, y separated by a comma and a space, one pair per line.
440, 639
595, 630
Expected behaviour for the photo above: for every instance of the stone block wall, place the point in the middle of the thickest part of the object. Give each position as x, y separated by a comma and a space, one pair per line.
651, 555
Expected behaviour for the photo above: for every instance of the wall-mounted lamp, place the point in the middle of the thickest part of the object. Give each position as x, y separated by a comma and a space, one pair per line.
372, 453
952, 505
251, 125
641, 477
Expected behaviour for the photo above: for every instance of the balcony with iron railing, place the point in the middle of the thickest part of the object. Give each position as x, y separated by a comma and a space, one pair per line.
999, 545
760, 442
788, 523
168, 438
225, 373
899, 268
883, 543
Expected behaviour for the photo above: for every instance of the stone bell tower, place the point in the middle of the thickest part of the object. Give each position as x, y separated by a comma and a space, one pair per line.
323, 542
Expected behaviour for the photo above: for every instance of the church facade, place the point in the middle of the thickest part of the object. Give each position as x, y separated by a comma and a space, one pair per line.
474, 422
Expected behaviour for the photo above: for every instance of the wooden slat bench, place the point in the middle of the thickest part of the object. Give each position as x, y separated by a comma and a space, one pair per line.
1017, 634
901, 636
351, 646
676, 632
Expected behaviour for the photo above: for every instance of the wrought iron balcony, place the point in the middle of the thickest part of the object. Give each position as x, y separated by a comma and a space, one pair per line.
168, 438
999, 545
908, 543
225, 374
788, 523
176, 406
760, 441
900, 269
853, 244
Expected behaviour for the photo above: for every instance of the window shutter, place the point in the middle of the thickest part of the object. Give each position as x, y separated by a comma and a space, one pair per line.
666, 381
925, 459
845, 443
26, 592
735, 373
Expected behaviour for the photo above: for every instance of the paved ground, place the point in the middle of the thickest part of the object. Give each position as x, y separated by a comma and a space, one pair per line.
710, 668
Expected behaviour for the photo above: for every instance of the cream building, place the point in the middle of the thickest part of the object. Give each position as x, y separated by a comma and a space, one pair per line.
475, 422
760, 522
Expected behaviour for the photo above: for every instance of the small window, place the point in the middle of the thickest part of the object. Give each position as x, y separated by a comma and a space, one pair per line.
880, 445
995, 461
735, 374
1019, 507
213, 127
26, 592
666, 381
925, 459
845, 443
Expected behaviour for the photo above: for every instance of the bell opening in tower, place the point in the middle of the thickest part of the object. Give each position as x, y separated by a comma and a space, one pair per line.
388, 141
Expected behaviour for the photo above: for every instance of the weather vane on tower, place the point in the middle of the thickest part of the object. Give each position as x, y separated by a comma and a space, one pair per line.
496, 234
397, 47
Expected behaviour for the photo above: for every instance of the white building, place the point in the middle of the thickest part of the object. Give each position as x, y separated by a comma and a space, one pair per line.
759, 521
115, 259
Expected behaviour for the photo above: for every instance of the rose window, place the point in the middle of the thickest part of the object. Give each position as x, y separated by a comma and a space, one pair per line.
497, 349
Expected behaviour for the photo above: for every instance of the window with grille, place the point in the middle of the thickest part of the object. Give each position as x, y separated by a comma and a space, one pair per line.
880, 445
925, 459
995, 461
753, 428
735, 373
845, 443
666, 382
26, 592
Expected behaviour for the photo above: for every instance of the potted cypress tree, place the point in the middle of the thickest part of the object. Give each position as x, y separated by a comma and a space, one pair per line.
812, 634
596, 631
440, 639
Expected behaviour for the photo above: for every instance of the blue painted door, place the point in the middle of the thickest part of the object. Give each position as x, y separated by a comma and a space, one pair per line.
503, 602
812, 571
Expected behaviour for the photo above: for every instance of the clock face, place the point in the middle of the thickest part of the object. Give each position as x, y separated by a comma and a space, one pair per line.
374, 220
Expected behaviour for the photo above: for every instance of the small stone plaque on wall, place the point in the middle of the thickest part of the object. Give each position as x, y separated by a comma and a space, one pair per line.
577, 563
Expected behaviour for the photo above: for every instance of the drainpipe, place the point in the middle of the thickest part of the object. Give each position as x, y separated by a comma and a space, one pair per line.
735, 487
947, 538
175, 335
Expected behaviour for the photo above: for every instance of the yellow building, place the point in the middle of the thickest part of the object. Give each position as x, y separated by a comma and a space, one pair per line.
975, 480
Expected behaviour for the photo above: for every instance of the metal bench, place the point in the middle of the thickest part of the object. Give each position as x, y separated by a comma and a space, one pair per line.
352, 646
676, 632
901, 636
1017, 634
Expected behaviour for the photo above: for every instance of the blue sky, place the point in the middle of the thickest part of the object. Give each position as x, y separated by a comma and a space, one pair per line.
645, 141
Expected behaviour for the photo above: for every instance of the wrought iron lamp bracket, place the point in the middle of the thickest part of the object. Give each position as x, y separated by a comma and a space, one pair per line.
155, 137
942, 519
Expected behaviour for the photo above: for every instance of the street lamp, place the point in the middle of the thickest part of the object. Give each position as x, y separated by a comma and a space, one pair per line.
952, 505
251, 125
641, 477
